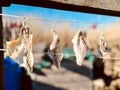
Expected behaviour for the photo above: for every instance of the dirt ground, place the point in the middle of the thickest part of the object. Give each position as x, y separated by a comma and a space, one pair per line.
68, 77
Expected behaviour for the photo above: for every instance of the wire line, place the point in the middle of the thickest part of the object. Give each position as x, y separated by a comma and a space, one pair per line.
48, 20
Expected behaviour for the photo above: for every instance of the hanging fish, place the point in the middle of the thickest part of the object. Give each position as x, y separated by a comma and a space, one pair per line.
54, 52
80, 47
103, 46
28, 57
14, 47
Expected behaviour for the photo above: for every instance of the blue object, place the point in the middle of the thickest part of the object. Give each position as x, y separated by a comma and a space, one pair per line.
67, 52
12, 73
90, 56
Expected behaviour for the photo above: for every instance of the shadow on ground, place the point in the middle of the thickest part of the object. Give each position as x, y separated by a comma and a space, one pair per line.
43, 86
38, 71
83, 70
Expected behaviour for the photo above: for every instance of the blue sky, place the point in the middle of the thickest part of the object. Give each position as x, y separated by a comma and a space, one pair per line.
46, 13
54, 14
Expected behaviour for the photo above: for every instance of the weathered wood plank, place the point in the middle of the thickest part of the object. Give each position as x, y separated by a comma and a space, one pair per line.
1, 54
102, 4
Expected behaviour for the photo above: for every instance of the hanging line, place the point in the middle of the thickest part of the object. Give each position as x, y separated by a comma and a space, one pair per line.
112, 58
46, 53
4, 50
9, 15
31, 18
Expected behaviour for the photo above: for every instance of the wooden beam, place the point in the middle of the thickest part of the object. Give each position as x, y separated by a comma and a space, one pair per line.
113, 5
105, 7
2, 86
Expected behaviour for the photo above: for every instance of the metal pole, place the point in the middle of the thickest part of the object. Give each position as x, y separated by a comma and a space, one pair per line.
2, 83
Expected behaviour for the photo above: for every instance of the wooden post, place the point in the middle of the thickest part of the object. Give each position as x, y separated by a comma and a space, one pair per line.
2, 86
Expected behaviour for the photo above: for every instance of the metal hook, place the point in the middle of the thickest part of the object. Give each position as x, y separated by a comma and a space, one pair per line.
80, 29
24, 21
53, 25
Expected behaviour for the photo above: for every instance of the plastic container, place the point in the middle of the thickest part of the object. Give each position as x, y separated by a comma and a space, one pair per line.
12, 73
